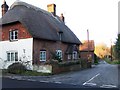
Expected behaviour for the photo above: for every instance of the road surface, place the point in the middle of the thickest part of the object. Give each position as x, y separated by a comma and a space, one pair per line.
103, 75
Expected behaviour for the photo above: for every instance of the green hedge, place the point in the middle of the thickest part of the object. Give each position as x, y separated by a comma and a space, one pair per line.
69, 63
16, 68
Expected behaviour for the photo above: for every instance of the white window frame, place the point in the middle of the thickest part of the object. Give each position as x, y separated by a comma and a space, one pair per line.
13, 35
59, 53
74, 55
9, 59
42, 55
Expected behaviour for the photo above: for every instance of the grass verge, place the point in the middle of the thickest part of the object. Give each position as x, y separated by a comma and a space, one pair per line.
27, 73
112, 62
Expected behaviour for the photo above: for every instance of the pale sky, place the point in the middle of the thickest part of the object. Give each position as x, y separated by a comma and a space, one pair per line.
100, 17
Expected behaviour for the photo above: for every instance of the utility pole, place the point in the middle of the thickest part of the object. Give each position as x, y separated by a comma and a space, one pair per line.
88, 42
111, 49
89, 64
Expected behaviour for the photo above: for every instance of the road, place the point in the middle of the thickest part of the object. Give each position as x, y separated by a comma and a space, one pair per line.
102, 76
13, 83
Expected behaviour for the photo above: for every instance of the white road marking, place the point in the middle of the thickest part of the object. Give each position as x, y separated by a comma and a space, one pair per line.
58, 82
91, 79
32, 80
108, 86
44, 81
91, 84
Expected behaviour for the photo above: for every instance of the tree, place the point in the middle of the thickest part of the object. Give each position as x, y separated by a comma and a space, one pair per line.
117, 47
101, 50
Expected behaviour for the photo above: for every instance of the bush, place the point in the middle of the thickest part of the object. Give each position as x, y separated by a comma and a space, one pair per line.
52, 62
84, 63
116, 62
69, 63
64, 63
56, 57
16, 68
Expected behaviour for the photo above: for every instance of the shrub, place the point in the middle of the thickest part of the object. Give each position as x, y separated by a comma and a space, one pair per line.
52, 62
84, 63
56, 57
69, 63
116, 62
16, 68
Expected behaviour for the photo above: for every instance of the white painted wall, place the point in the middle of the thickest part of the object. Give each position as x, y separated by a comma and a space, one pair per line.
18, 46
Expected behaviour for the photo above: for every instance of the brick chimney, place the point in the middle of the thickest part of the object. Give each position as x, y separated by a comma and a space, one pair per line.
52, 9
62, 17
4, 7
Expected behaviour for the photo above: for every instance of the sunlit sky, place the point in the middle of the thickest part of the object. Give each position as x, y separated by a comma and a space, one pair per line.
100, 17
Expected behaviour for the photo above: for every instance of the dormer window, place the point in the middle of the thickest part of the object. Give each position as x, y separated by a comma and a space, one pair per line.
60, 35
13, 35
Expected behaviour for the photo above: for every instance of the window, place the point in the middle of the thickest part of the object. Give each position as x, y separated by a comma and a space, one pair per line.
42, 55
59, 53
12, 56
74, 54
60, 35
13, 35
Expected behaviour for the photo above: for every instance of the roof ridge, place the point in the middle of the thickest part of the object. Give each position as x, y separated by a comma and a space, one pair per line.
19, 2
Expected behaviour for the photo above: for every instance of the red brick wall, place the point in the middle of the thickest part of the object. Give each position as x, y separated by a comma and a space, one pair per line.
84, 55
22, 32
49, 46
57, 69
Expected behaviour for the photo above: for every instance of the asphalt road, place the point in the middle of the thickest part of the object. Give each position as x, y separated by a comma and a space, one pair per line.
101, 76
14, 84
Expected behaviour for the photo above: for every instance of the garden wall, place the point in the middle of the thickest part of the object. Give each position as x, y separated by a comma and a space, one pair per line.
56, 69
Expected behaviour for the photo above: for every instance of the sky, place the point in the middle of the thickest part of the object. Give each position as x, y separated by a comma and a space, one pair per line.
100, 17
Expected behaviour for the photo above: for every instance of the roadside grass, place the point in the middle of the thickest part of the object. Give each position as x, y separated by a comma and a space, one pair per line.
26, 73
112, 62
35, 73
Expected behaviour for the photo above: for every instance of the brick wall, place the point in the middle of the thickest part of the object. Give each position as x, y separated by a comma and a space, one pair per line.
22, 32
57, 69
84, 55
49, 46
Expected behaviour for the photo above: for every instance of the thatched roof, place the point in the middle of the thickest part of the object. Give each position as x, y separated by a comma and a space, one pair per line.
40, 23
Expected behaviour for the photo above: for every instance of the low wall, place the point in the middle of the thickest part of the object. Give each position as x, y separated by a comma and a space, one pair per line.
43, 68
56, 69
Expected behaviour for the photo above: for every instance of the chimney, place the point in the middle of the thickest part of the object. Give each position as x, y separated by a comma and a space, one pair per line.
62, 17
52, 9
4, 7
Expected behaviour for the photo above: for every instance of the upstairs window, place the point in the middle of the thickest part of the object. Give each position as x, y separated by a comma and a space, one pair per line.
12, 56
60, 35
42, 55
13, 35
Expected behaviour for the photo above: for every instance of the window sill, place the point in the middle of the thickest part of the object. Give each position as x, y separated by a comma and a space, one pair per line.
42, 60
13, 40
